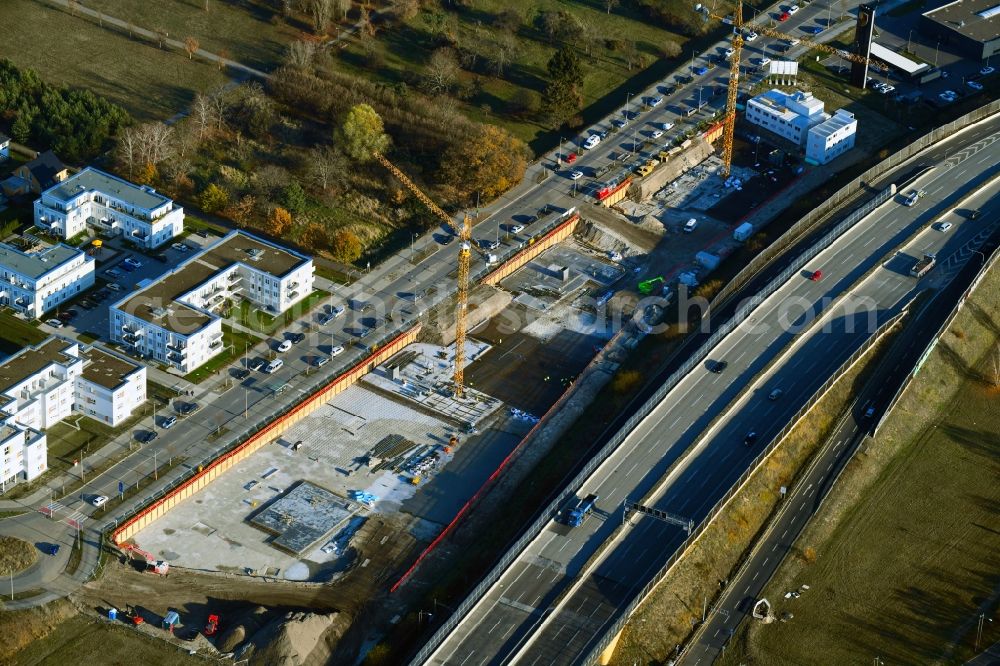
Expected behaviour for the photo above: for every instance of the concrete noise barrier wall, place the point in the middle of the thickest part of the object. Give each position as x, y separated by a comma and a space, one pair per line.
557, 235
265, 435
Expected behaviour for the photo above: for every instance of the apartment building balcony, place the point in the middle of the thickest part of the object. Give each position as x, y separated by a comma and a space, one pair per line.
136, 233
131, 338
215, 344
177, 349
293, 284
293, 295
174, 357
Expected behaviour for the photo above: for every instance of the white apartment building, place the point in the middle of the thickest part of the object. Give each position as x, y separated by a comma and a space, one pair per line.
41, 385
832, 137
109, 205
790, 116
34, 282
175, 320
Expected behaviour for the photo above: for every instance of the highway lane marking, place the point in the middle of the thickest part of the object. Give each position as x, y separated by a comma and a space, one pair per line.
765, 561
495, 626
775, 546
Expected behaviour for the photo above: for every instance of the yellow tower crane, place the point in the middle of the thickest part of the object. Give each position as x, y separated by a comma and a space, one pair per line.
734, 70
464, 233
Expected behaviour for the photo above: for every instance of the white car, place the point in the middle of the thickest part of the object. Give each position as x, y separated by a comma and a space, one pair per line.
944, 226
99, 501
690, 225
285, 346
516, 228
576, 175
793, 9
730, 51
133, 262
986, 71
764, 62
336, 351
793, 42
180, 247
591, 141
667, 126
945, 97
620, 123
657, 134
975, 85
54, 323
751, 36
114, 286
655, 101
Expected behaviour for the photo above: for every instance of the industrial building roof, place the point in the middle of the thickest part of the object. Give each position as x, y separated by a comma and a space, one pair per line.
105, 369
839, 120
898, 61
34, 265
977, 19
91, 179
32, 360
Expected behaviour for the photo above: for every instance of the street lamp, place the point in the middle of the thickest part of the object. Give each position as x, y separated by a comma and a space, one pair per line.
908, 41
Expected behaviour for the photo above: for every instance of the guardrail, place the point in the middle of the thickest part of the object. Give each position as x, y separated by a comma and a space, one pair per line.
624, 614
847, 192
695, 359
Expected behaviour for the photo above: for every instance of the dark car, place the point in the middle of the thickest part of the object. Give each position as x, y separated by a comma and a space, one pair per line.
750, 438
147, 436
973, 214
87, 305
51, 548
719, 367
241, 373
296, 338
257, 364
161, 257
188, 408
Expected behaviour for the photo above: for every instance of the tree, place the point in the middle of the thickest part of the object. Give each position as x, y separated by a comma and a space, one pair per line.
404, 10
509, 20
342, 7
294, 197
610, 4
147, 174
21, 129
321, 11
278, 222
346, 246
315, 238
502, 52
191, 45
563, 96
213, 199
626, 381
325, 164
301, 54
442, 71
489, 162
362, 133
241, 211
670, 49
202, 115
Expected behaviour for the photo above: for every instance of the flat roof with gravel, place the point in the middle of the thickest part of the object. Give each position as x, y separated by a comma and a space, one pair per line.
35, 264
978, 19
106, 369
32, 360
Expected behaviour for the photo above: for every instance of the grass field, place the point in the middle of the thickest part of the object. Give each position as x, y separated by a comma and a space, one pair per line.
15, 334
72, 51
244, 29
404, 50
907, 546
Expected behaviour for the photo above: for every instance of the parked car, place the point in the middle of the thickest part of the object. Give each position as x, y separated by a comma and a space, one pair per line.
975, 85
784, 16
655, 101
690, 225
793, 9
241, 373
813, 29
114, 286
974, 214
751, 36
99, 500
516, 228
87, 304
764, 62
319, 361
51, 549
273, 366
54, 323
113, 272
180, 247
296, 338
168, 422
338, 310
986, 71
730, 51
699, 70
188, 408
284, 346
591, 141
657, 134
161, 257
336, 351
146, 436
133, 262
574, 175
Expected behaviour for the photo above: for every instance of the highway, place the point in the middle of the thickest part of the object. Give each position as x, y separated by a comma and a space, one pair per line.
548, 607
804, 500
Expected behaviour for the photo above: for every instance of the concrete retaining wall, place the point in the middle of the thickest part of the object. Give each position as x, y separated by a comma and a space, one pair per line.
266, 435
557, 235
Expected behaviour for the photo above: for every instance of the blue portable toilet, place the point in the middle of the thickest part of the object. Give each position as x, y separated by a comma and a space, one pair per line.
113, 614
170, 619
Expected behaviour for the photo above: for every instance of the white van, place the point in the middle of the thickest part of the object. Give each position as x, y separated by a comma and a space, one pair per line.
273, 366
690, 225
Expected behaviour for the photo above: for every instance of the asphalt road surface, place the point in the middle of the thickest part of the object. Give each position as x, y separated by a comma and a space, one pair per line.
802, 503
548, 608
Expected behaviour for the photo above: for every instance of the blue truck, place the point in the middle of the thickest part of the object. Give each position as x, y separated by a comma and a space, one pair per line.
578, 514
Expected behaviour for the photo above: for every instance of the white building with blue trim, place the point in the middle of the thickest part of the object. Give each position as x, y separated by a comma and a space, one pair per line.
111, 206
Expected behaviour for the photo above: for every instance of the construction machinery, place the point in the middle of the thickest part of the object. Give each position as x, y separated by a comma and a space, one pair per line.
734, 68
153, 565
464, 233
646, 287
213, 625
